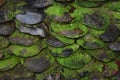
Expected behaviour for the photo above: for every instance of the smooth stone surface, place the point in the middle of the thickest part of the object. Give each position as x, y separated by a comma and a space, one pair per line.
52, 41
22, 39
94, 21
40, 3
30, 15
110, 34
6, 29
115, 46
39, 63
41, 30
66, 18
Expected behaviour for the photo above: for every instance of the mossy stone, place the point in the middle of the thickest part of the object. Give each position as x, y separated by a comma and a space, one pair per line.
3, 42
76, 60
5, 53
8, 63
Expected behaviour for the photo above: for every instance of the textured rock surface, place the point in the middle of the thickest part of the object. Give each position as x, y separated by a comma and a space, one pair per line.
59, 40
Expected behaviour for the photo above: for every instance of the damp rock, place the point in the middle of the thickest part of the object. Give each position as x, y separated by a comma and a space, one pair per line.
24, 51
6, 29
28, 15
96, 21
18, 73
8, 63
22, 39
64, 51
115, 46
40, 3
39, 63
4, 42
74, 30
52, 41
76, 60
110, 34
103, 55
40, 30
90, 42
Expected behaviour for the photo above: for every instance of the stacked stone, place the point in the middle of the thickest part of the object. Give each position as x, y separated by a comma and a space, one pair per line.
59, 40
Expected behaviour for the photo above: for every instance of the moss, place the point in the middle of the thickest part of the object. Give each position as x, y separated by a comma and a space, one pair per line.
24, 51
8, 63
56, 10
6, 53
58, 51
3, 42
63, 27
65, 40
90, 42
76, 60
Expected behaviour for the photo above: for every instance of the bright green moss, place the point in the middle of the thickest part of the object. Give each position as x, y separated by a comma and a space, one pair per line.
58, 28
115, 6
8, 63
56, 10
76, 60
24, 51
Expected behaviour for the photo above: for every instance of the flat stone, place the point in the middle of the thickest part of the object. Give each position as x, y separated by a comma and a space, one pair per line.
115, 46
40, 3
39, 63
22, 39
30, 15
52, 41
41, 30
110, 34
6, 29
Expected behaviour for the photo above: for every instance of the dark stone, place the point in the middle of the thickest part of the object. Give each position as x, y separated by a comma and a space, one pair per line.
115, 46
30, 15
94, 21
2, 2
110, 34
67, 52
6, 29
85, 73
66, 18
92, 45
40, 3
54, 42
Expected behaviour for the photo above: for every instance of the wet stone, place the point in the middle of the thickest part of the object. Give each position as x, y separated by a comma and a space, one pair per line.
17, 73
52, 41
40, 30
6, 15
115, 46
29, 15
40, 3
66, 18
22, 39
94, 21
6, 29
110, 34
39, 63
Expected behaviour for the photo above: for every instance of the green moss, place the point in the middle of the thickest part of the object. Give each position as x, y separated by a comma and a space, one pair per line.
56, 10
65, 40
76, 60
90, 42
6, 53
24, 51
8, 63
58, 28
58, 51
79, 13
3, 42
10, 15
